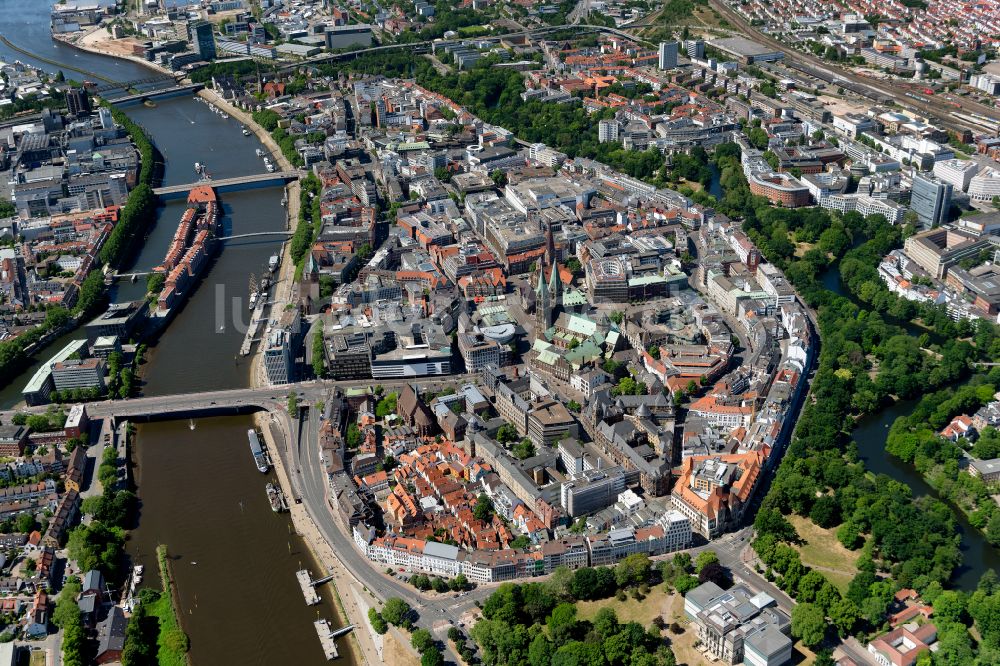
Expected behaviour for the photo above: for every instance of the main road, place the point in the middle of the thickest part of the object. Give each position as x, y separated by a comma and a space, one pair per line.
242, 400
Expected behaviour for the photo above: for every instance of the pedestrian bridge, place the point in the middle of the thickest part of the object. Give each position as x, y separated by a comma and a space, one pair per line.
220, 185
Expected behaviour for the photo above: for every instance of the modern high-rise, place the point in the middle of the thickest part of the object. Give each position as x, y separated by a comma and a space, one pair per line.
278, 357
202, 39
930, 199
668, 55
607, 130
78, 102
695, 48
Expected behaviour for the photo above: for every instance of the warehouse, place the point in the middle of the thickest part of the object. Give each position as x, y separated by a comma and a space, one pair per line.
748, 51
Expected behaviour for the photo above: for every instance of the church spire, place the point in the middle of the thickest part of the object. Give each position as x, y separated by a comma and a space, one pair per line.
550, 245
543, 304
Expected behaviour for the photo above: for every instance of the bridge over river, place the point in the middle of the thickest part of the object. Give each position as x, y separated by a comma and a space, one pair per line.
250, 182
235, 401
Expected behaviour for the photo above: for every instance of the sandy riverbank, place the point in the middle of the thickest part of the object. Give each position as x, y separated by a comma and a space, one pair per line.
105, 45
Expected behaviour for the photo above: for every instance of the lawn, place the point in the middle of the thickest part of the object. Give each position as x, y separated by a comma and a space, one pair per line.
395, 653
643, 612
682, 644
821, 550
169, 653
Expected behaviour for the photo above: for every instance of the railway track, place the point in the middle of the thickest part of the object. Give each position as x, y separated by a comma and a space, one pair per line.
901, 96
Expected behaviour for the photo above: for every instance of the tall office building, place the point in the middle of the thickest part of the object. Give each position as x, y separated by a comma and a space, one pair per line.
695, 48
668, 55
930, 199
78, 102
202, 39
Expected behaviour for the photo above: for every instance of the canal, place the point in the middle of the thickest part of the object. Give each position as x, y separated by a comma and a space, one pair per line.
978, 555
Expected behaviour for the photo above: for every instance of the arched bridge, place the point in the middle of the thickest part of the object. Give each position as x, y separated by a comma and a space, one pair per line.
164, 81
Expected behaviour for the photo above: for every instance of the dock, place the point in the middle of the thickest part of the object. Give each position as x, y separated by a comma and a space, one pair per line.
308, 591
326, 639
255, 321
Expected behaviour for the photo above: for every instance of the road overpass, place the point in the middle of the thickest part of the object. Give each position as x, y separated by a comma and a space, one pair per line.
251, 182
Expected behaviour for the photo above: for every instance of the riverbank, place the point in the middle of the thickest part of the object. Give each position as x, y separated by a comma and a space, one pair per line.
172, 642
283, 285
353, 600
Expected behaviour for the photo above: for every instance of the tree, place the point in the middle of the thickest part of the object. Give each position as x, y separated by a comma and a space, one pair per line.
25, 523
540, 651
396, 611
421, 640
432, 657
716, 573
523, 449
562, 623
378, 623
319, 353
506, 433
520, 542
483, 510
758, 138
576, 653
386, 405
632, 570
353, 437
845, 615
950, 606
140, 647
686, 583
808, 624
704, 558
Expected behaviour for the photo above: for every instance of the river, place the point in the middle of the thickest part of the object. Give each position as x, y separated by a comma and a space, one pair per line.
26, 24
977, 554
201, 494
